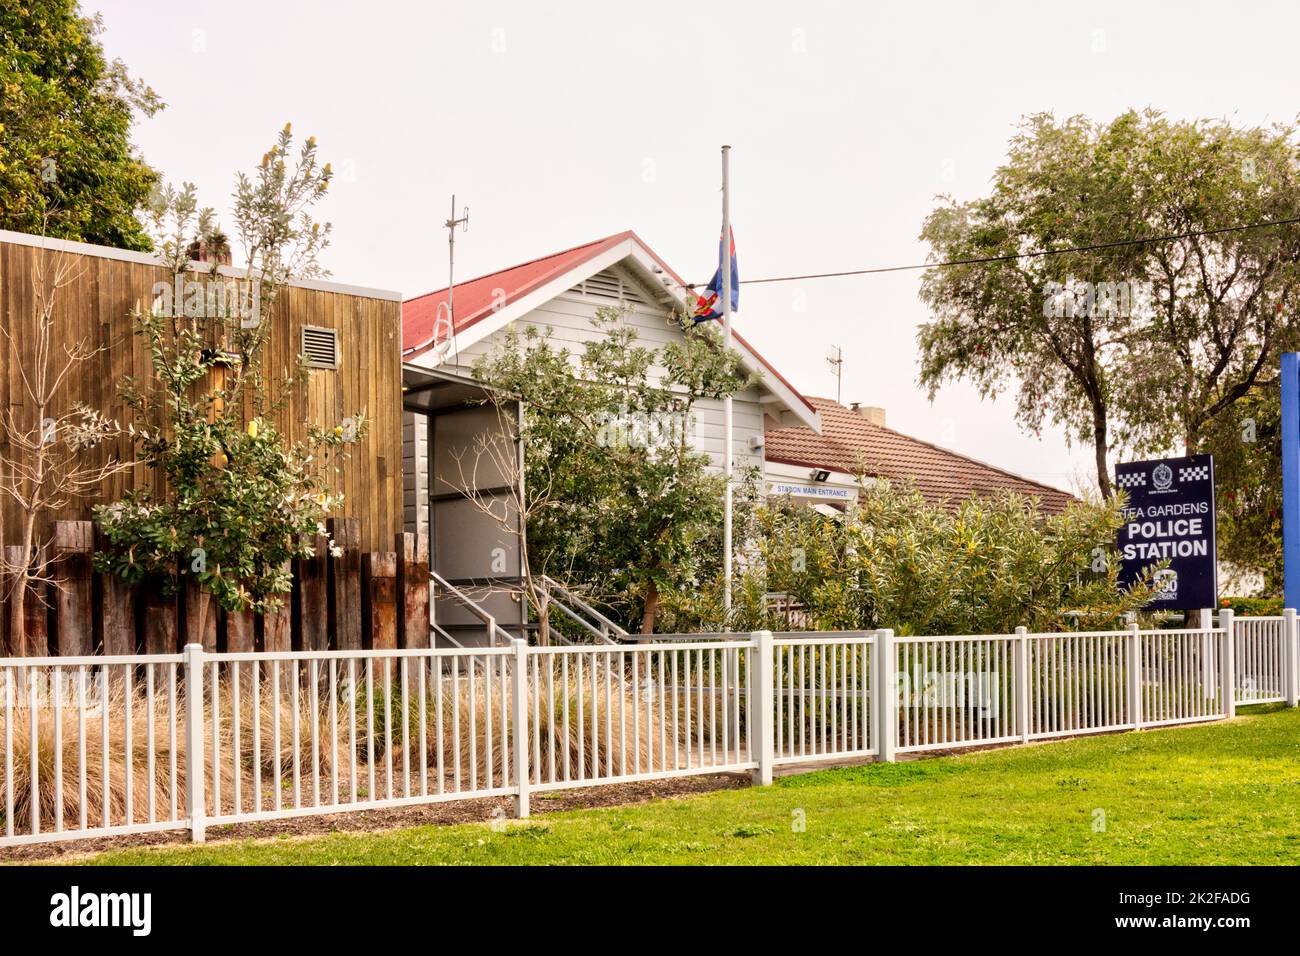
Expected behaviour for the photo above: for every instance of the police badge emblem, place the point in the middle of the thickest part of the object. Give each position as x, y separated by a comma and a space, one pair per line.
1162, 476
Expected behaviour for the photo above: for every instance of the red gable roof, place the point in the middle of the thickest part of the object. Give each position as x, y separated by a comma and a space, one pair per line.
849, 443
478, 298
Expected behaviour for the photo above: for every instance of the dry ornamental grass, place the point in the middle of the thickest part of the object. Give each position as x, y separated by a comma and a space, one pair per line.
278, 749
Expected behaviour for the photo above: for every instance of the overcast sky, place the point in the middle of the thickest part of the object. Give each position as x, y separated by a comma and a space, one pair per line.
559, 123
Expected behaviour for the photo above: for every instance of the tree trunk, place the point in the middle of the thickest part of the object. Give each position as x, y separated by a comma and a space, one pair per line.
20, 561
651, 608
17, 618
543, 619
1099, 439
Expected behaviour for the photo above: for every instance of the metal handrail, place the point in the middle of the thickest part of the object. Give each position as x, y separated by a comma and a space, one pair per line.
608, 632
442, 632
701, 636
579, 620
494, 630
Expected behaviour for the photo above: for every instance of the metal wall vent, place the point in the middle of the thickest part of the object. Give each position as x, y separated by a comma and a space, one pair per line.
610, 285
320, 346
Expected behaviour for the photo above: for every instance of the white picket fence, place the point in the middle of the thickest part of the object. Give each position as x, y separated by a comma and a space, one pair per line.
1265, 659
266, 736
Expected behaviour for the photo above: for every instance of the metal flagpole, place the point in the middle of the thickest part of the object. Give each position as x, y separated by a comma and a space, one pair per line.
726, 404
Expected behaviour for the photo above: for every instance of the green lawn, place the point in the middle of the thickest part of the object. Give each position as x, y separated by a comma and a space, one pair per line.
1222, 793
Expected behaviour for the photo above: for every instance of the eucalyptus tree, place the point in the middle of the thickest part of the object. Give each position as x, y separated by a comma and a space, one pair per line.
1132, 346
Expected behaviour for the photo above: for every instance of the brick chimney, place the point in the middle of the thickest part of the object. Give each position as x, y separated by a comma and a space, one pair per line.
212, 249
872, 413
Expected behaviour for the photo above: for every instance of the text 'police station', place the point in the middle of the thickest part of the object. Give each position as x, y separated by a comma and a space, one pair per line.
1176, 531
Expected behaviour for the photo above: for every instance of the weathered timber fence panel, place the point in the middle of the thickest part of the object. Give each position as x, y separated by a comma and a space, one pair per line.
353, 601
379, 601
74, 543
311, 595
413, 589
201, 615
345, 585
160, 622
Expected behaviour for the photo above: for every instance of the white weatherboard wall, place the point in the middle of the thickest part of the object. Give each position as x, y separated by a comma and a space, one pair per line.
415, 472
568, 319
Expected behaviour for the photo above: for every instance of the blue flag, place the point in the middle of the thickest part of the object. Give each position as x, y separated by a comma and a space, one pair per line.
708, 306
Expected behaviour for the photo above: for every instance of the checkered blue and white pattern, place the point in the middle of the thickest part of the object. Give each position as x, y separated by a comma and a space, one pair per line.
1194, 473
1134, 479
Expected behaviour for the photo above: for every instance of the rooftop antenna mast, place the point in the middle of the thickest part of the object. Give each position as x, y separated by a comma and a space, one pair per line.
447, 321
836, 362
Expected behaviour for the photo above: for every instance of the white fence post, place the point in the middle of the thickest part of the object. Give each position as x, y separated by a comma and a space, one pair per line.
1228, 664
886, 687
519, 719
195, 794
1135, 676
1205, 622
1022, 684
1289, 658
763, 721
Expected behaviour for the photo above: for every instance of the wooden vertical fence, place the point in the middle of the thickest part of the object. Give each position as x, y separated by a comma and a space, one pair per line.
201, 615
275, 628
351, 601
379, 606
413, 589
32, 636
74, 544
345, 584
239, 632
160, 622
311, 599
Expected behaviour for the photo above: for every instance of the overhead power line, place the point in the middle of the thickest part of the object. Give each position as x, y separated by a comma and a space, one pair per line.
1039, 254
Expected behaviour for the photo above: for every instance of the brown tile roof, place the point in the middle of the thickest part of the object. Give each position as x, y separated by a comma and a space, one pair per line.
850, 443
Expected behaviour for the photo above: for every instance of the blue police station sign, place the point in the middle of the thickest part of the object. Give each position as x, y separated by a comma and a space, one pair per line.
1170, 515
1290, 479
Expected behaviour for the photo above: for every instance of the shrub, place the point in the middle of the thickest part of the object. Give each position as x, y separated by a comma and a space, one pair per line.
232, 499
1253, 606
895, 560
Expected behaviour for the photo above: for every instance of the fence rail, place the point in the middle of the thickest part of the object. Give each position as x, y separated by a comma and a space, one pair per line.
103, 746
823, 697
1264, 658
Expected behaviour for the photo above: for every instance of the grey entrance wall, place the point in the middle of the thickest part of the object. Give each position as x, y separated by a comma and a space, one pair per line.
455, 444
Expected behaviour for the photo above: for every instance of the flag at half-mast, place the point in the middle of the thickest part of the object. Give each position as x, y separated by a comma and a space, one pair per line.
709, 305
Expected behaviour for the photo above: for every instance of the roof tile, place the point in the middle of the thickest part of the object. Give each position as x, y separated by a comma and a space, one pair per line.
852, 444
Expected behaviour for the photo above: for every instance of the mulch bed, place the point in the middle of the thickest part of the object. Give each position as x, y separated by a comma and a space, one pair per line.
366, 821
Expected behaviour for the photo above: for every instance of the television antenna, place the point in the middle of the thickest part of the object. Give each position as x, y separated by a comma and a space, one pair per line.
836, 362
444, 323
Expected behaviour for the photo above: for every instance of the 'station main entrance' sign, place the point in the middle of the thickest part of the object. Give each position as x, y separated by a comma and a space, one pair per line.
814, 491
1170, 515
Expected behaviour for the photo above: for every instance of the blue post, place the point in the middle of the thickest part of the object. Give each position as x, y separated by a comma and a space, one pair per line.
1291, 478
